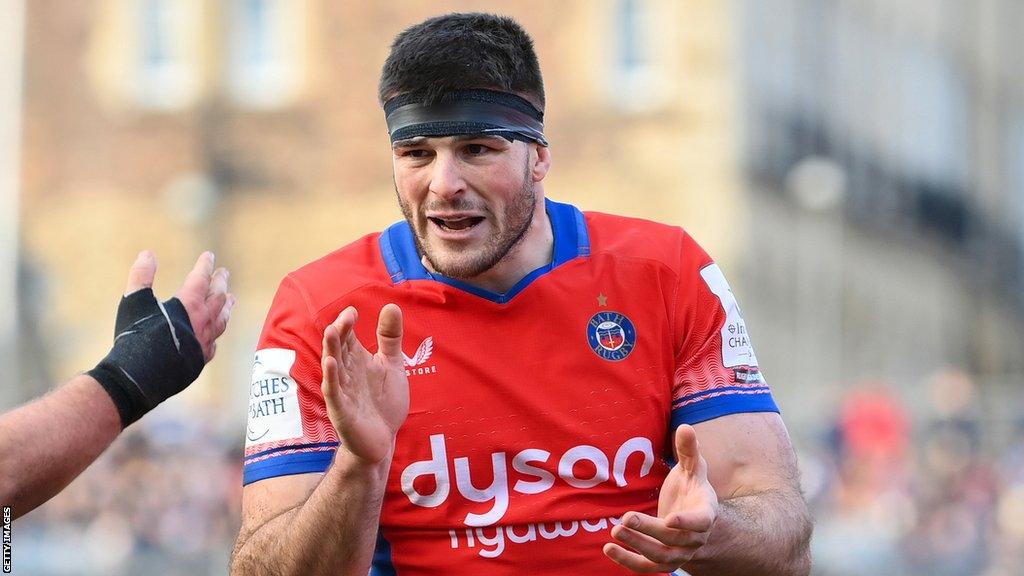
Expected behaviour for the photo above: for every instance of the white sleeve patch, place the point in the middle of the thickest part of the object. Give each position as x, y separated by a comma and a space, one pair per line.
273, 399
736, 347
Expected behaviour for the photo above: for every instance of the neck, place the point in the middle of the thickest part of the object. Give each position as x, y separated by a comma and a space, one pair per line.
534, 250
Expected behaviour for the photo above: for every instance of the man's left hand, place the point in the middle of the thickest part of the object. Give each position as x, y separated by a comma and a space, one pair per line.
687, 509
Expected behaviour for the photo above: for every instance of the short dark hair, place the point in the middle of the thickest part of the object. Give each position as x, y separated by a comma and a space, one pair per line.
462, 51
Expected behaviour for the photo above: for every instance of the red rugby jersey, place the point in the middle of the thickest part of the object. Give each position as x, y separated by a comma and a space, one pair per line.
537, 417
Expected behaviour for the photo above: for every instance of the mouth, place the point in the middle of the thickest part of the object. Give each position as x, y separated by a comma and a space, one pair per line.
457, 224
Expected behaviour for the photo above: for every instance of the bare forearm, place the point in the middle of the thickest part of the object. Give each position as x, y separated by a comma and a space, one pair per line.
45, 444
333, 532
766, 534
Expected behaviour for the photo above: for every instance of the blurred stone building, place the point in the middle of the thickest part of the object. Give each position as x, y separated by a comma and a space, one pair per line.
884, 146
251, 127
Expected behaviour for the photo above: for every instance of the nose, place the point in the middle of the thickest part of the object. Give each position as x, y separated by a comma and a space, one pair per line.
446, 179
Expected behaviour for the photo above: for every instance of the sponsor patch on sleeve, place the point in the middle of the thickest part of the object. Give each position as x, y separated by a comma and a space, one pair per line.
273, 399
736, 347
748, 376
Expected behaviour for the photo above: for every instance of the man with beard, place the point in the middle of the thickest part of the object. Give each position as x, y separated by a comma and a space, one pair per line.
565, 365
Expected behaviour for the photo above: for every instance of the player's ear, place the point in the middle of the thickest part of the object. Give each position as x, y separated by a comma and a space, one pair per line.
541, 157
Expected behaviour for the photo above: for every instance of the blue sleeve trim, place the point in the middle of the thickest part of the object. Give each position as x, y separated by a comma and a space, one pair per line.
287, 464
292, 447
724, 405
712, 391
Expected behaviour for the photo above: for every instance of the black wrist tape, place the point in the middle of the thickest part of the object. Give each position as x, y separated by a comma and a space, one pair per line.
155, 355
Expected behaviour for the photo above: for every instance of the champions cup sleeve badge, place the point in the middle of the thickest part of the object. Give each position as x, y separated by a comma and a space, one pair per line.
611, 335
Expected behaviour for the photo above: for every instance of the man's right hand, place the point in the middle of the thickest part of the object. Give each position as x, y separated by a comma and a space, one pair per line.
161, 347
312, 523
367, 394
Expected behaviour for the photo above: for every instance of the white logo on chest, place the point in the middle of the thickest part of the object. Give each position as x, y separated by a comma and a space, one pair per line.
422, 353
532, 477
415, 365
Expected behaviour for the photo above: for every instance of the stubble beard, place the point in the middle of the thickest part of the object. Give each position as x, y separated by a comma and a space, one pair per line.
467, 264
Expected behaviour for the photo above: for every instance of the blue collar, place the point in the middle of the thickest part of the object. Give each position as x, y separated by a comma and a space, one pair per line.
398, 247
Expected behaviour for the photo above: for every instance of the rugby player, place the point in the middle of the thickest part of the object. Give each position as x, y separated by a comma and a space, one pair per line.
545, 390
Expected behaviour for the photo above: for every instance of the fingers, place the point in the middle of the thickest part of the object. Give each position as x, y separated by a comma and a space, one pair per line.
389, 332
346, 323
650, 547
658, 528
221, 323
331, 383
217, 298
215, 304
205, 296
691, 521
197, 283
634, 561
335, 378
142, 272
354, 349
340, 342
656, 547
218, 283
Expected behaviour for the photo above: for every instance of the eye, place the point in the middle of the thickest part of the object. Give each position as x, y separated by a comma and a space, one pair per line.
416, 153
476, 149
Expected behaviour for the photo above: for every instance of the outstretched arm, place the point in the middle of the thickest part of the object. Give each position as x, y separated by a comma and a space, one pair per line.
308, 525
45, 444
48, 442
731, 506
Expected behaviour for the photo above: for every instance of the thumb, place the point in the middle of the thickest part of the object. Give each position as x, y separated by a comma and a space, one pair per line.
389, 332
687, 448
142, 272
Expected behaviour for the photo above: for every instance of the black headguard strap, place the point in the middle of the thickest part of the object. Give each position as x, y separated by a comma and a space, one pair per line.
475, 111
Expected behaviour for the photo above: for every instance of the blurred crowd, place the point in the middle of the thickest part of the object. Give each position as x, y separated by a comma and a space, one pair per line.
931, 495
892, 492
164, 500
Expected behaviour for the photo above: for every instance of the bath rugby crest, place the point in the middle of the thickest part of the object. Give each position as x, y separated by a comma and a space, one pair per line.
611, 335
521, 449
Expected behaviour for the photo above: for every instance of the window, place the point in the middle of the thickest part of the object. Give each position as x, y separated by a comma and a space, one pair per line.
933, 113
638, 78
167, 32
265, 52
